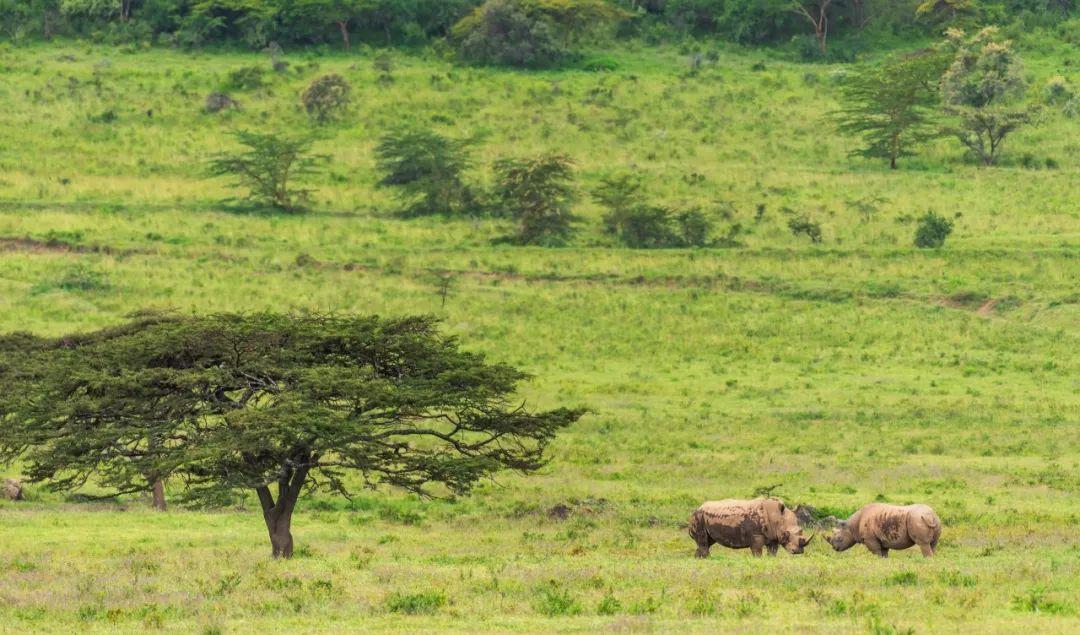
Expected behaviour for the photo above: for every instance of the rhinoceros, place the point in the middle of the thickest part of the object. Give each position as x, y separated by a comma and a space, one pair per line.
883, 527
738, 524
12, 489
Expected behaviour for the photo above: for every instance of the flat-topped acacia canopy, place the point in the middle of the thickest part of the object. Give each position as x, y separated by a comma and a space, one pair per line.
224, 403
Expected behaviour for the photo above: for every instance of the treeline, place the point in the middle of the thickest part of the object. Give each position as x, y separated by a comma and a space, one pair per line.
809, 24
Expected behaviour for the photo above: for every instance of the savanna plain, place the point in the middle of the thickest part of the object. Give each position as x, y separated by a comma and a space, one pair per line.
832, 374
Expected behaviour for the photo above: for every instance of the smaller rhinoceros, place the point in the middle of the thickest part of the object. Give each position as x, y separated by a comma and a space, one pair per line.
738, 524
883, 527
12, 489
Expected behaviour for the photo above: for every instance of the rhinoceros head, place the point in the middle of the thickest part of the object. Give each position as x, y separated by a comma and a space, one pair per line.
841, 538
791, 537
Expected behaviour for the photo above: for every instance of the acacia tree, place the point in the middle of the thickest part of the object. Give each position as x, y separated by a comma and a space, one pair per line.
982, 89
272, 403
269, 168
891, 106
117, 415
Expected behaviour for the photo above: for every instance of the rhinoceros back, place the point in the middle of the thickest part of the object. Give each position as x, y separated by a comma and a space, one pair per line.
731, 523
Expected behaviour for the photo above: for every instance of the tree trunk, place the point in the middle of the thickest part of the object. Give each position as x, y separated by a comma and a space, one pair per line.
158, 488
281, 541
278, 514
344, 26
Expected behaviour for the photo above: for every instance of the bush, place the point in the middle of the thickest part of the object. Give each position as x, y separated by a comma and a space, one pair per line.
216, 102
932, 231
326, 97
537, 193
803, 225
246, 78
427, 168
504, 32
424, 603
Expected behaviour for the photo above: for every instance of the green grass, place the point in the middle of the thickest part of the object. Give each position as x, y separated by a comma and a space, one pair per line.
856, 370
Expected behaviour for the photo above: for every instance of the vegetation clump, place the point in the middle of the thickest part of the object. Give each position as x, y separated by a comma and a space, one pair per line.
982, 88
269, 167
932, 231
428, 170
529, 33
326, 97
536, 193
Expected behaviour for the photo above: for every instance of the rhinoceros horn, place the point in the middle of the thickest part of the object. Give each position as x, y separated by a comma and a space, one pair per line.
806, 541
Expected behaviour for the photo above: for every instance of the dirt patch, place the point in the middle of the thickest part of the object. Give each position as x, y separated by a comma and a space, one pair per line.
59, 246
987, 308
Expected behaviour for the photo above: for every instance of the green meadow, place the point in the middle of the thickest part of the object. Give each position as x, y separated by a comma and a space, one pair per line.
831, 374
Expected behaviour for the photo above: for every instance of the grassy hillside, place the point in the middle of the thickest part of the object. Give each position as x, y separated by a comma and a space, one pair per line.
860, 369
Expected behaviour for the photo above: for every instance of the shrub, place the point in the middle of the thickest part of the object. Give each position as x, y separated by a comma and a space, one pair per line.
428, 168
326, 97
642, 226
529, 33
932, 231
269, 167
803, 225
246, 78
537, 193
1057, 91
555, 601
505, 32
216, 102
423, 603
693, 228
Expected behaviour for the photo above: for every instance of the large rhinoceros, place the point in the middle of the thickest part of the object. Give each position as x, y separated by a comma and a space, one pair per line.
883, 527
760, 523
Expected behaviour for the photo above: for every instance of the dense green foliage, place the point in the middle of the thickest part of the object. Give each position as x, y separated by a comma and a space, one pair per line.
536, 193
932, 231
540, 28
429, 170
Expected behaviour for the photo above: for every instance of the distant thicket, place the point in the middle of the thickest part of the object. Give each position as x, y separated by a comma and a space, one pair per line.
808, 25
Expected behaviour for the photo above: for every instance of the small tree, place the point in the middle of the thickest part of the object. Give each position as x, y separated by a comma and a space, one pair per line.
890, 106
428, 168
537, 193
270, 404
326, 97
932, 231
269, 167
982, 88
816, 13
805, 226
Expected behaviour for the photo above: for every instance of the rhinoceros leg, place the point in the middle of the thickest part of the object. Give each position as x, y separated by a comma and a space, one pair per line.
927, 550
875, 548
702, 550
773, 548
756, 544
